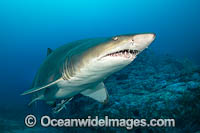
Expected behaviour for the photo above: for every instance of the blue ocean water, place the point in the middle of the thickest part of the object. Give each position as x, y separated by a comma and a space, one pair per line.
28, 28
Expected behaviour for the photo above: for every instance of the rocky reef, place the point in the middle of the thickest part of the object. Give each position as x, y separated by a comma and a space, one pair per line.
153, 86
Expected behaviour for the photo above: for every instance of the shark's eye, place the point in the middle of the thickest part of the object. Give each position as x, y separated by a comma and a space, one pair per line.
115, 38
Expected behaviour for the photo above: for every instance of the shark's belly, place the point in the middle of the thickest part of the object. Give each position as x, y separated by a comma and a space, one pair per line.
65, 89
61, 93
64, 93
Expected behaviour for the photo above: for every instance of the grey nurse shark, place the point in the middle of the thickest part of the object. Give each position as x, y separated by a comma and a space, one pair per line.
81, 67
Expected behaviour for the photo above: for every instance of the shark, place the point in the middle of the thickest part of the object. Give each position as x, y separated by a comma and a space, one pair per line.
80, 67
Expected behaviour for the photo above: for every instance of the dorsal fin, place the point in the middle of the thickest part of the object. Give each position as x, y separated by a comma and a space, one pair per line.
49, 51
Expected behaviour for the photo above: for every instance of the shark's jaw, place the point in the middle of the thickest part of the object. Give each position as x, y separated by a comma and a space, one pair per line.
126, 53
116, 59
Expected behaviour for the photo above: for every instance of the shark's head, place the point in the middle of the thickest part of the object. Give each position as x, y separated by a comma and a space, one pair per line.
112, 54
124, 48
121, 50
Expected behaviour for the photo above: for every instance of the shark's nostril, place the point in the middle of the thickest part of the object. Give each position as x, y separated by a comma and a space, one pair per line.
132, 41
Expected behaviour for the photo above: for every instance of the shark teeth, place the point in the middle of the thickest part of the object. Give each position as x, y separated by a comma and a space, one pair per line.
127, 53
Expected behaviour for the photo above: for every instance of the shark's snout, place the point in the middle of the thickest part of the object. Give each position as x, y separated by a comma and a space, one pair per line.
142, 41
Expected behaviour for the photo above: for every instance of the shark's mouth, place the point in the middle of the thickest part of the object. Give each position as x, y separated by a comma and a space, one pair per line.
126, 53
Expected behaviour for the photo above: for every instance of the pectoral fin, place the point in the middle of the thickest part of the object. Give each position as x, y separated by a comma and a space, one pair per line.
35, 99
98, 93
40, 88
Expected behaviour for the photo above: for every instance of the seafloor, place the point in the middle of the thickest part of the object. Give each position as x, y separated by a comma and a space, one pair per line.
153, 86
